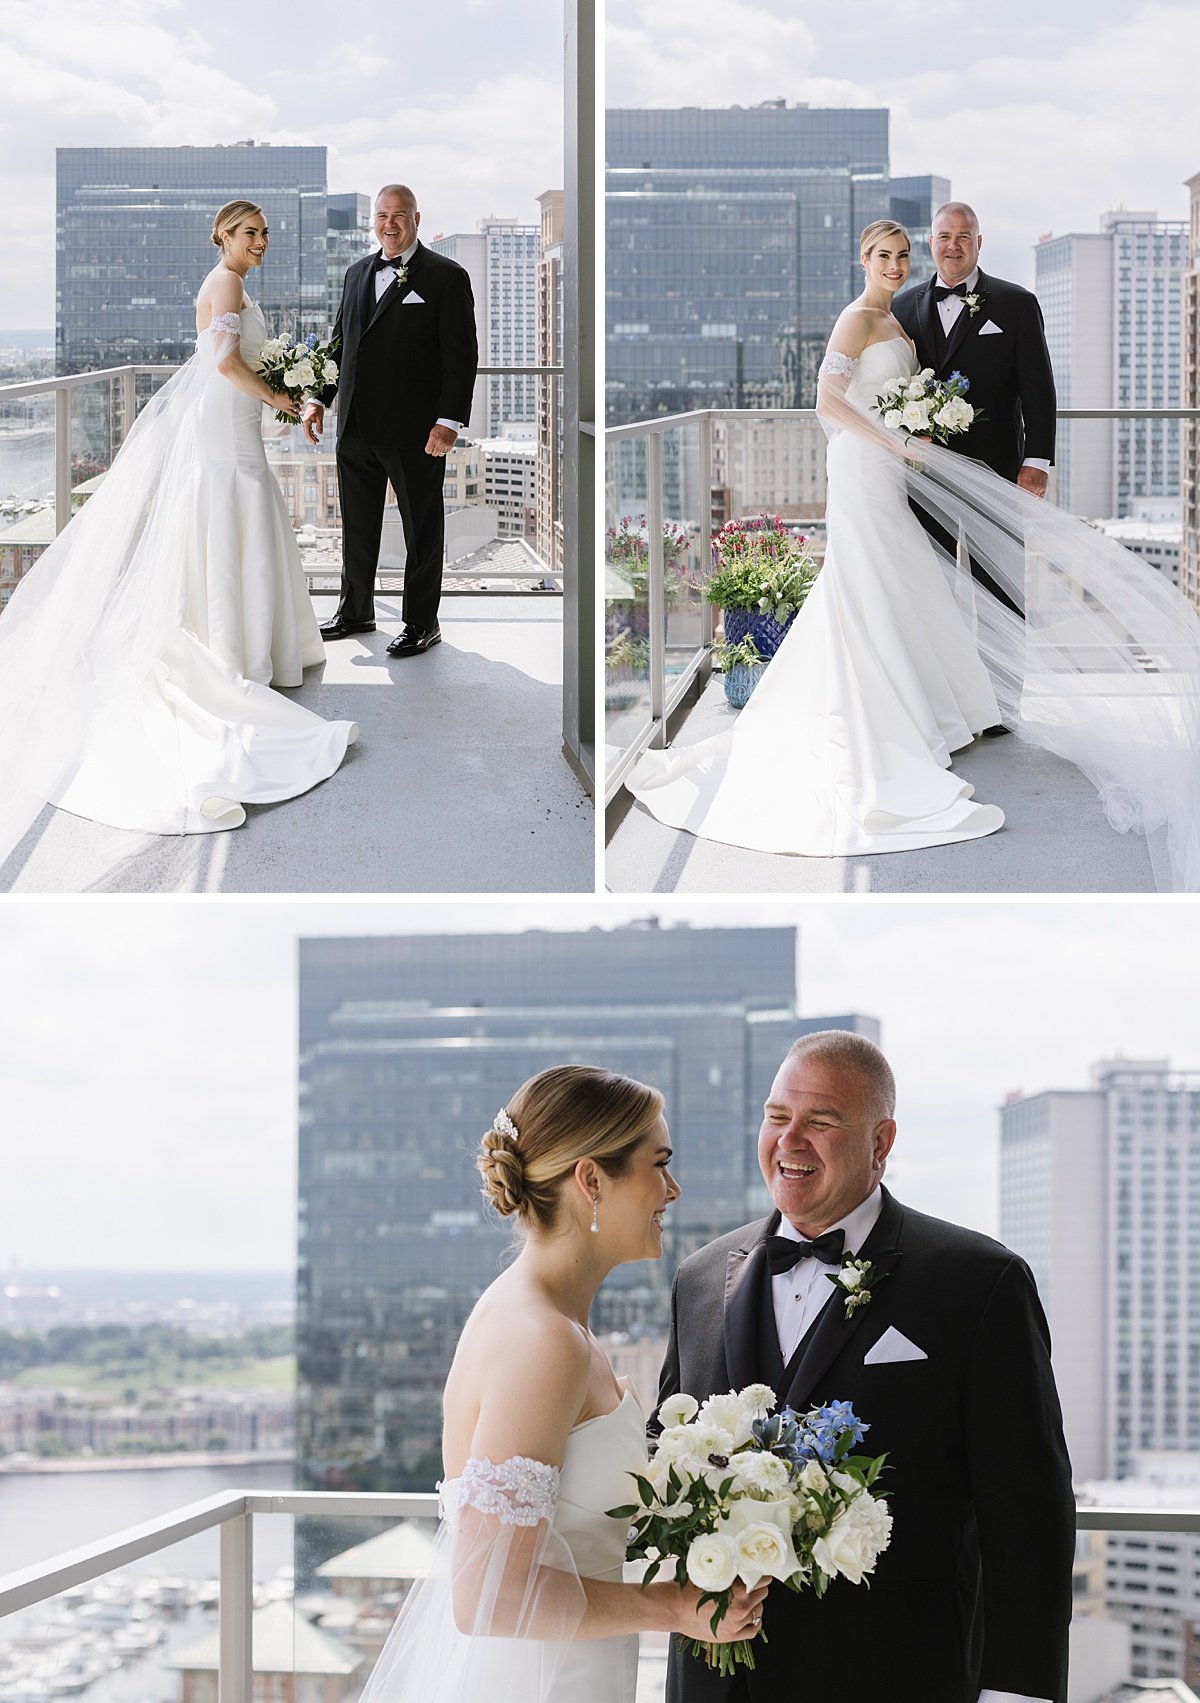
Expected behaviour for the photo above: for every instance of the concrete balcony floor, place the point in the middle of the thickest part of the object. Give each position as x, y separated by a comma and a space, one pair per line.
1055, 839
457, 783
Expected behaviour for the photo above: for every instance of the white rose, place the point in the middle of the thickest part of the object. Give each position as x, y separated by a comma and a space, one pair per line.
759, 1398
813, 1477
729, 1413
712, 1562
892, 418
914, 390
762, 1532
855, 1540
849, 1278
300, 375
915, 417
675, 1444
677, 1410
925, 373
331, 372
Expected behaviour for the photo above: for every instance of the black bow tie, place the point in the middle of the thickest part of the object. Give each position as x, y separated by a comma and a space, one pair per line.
381, 261
783, 1253
941, 291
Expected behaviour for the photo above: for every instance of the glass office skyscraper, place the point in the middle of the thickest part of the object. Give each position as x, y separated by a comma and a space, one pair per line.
135, 240
408, 1048
732, 246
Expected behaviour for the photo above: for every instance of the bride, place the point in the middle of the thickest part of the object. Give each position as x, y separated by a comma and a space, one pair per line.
526, 1602
898, 658
137, 658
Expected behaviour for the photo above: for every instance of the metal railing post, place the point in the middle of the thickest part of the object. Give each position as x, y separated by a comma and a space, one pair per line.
709, 626
235, 1673
62, 459
656, 592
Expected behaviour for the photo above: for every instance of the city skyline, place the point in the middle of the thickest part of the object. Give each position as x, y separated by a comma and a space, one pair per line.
118, 1073
159, 75
1039, 120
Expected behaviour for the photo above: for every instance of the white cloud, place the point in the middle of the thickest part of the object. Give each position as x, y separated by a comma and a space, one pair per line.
702, 53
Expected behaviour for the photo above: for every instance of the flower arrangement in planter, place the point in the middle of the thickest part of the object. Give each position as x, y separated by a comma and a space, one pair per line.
741, 664
760, 578
627, 552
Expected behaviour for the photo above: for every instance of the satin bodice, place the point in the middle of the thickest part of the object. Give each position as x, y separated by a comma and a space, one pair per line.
878, 365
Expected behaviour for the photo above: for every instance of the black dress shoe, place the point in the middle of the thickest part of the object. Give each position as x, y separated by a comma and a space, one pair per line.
996, 732
339, 629
413, 640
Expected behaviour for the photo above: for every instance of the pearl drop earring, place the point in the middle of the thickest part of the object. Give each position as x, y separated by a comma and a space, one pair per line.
595, 1215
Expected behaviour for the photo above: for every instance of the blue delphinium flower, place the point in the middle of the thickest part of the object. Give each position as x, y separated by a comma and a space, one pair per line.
962, 383
840, 1417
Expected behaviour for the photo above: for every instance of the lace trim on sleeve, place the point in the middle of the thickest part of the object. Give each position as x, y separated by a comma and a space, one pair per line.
519, 1492
839, 365
225, 322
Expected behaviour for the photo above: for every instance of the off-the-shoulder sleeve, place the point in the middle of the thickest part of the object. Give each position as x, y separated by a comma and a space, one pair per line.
225, 334
518, 1491
837, 365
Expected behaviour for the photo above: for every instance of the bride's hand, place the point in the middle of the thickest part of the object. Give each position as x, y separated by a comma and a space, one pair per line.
742, 1619
285, 404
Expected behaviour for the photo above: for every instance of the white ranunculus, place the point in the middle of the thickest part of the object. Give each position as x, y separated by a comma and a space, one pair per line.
759, 1398
728, 1412
675, 1444
915, 417
677, 1410
712, 1562
855, 1540
925, 373
892, 418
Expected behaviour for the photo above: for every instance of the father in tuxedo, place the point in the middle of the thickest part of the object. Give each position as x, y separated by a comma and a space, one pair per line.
991, 332
949, 1365
406, 368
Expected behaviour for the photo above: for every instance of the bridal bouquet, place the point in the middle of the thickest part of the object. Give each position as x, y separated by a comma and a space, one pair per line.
927, 408
288, 365
738, 1491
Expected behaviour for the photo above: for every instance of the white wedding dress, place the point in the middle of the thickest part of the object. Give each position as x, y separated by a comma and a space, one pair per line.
899, 657
844, 747
137, 658
522, 1528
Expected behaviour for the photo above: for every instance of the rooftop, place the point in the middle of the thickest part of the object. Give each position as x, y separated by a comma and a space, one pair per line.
457, 782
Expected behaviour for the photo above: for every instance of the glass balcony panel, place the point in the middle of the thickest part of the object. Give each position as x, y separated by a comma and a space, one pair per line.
26, 451
626, 593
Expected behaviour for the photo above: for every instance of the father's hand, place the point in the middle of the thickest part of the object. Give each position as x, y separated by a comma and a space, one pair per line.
441, 438
312, 421
1033, 480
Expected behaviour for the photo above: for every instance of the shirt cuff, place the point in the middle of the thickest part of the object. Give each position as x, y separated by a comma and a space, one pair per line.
454, 425
1010, 1697
1042, 467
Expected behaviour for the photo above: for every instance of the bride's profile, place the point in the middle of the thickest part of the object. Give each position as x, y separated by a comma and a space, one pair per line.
526, 1603
899, 657
138, 657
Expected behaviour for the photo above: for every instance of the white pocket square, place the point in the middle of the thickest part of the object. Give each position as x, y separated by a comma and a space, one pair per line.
413, 297
893, 1345
991, 329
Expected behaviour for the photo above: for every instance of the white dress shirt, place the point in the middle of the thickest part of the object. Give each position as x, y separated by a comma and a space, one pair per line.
384, 280
798, 1295
949, 309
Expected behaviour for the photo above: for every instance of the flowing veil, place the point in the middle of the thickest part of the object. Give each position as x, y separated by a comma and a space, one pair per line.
1104, 670
495, 1616
94, 643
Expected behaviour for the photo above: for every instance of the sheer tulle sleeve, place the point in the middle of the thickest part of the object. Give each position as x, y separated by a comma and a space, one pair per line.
224, 336
838, 414
501, 1604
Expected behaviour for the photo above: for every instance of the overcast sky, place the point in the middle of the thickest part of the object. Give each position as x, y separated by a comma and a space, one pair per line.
1042, 116
148, 1051
462, 99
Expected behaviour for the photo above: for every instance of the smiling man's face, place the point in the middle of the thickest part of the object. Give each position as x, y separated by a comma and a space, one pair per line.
823, 1142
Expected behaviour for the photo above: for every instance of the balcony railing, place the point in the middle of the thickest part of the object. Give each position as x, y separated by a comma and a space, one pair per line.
678, 478
232, 1514
89, 428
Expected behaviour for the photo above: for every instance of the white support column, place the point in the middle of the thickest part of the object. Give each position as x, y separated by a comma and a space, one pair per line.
706, 481
656, 596
235, 1682
62, 458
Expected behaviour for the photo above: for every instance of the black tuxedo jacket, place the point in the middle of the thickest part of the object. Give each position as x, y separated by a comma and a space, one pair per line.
974, 1590
1011, 377
410, 360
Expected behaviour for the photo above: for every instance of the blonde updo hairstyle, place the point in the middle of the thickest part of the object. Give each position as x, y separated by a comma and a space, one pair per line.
230, 217
875, 233
562, 1115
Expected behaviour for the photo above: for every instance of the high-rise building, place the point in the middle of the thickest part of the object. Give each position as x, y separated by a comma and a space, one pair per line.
1113, 306
350, 234
732, 246
502, 261
549, 539
408, 1047
1190, 568
135, 241
1100, 1192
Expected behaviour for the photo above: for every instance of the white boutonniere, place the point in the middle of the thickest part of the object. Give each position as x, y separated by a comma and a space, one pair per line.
856, 1280
974, 302
401, 272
